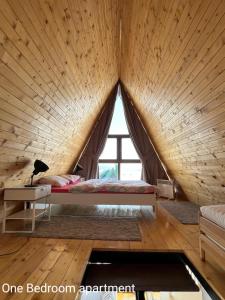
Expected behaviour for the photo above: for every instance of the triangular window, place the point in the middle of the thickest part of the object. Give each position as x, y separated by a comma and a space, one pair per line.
118, 123
119, 159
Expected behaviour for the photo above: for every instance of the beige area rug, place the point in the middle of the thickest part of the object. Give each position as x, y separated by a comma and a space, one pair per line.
100, 222
88, 228
184, 211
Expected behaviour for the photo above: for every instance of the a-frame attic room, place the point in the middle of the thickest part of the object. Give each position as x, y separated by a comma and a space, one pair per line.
112, 156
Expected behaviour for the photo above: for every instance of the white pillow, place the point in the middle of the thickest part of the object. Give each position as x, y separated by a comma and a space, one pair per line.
54, 180
72, 178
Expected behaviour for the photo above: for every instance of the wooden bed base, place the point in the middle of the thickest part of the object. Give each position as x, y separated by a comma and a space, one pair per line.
88, 199
212, 239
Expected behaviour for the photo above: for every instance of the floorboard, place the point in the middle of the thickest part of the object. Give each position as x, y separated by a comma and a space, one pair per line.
62, 262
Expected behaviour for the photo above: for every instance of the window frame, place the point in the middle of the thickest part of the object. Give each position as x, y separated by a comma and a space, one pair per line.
119, 159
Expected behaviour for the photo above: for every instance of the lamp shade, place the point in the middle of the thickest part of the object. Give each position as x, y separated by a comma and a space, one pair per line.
39, 166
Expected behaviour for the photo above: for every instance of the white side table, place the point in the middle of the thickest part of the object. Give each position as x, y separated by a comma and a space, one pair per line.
27, 195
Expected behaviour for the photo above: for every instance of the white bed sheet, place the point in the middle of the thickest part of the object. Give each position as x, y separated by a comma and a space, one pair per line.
113, 186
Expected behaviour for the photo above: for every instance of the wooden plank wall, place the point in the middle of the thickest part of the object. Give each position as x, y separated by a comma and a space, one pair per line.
173, 65
60, 58
58, 63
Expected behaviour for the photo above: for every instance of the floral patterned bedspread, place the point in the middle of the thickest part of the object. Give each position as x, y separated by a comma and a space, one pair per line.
113, 186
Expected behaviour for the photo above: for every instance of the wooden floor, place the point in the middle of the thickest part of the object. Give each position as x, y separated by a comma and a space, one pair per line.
62, 262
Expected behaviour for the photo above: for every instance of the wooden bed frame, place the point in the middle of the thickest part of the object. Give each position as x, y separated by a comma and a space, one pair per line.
88, 199
212, 240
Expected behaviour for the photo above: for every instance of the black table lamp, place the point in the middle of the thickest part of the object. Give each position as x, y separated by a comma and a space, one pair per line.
39, 166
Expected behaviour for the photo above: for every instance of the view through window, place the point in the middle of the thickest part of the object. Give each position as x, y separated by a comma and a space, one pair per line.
119, 159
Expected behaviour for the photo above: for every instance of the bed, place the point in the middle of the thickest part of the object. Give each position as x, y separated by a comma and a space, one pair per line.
212, 233
105, 192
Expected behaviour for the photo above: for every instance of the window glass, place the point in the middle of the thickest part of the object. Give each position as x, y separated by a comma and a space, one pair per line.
130, 171
118, 124
110, 150
118, 127
108, 170
128, 150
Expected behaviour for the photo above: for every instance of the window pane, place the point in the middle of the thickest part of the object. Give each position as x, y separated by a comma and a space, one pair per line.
118, 124
108, 170
110, 150
128, 150
130, 171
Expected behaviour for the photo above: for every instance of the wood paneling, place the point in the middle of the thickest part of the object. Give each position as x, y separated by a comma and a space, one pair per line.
58, 63
173, 65
59, 60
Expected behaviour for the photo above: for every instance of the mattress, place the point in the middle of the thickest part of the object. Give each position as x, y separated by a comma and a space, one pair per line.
214, 213
63, 189
113, 186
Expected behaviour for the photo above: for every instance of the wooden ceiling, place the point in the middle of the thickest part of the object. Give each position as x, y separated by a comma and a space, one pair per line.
173, 65
58, 64
60, 59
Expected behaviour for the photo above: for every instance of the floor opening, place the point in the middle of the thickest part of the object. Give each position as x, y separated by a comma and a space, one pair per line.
126, 275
